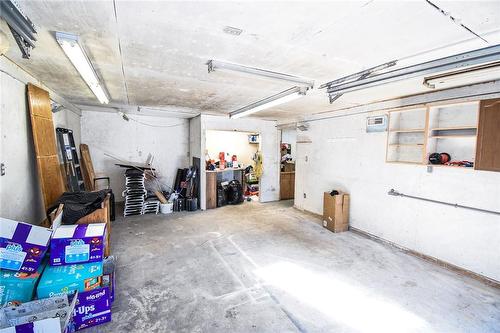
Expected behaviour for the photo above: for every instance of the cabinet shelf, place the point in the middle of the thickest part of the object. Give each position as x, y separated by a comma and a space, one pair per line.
414, 130
454, 128
421, 145
457, 136
450, 166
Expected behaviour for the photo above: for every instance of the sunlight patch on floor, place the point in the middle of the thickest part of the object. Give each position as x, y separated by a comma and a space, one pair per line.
341, 302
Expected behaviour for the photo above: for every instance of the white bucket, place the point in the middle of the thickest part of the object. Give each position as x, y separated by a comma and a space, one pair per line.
166, 208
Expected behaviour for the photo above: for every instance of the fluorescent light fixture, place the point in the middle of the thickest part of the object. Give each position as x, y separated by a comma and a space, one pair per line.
483, 73
76, 54
215, 64
281, 98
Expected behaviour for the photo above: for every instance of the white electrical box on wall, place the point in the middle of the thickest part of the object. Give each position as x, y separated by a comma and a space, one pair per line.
376, 124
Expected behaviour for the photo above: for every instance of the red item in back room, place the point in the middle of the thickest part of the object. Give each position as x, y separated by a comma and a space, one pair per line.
233, 158
222, 160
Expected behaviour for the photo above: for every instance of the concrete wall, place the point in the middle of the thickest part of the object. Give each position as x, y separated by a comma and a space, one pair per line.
166, 138
20, 194
233, 143
343, 156
269, 183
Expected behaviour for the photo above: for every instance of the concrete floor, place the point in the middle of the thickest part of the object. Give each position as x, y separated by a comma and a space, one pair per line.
270, 268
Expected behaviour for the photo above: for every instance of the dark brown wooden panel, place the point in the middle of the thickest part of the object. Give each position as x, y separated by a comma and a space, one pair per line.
488, 137
287, 185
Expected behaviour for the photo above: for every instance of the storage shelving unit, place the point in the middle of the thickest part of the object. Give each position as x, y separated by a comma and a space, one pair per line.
453, 129
406, 139
414, 134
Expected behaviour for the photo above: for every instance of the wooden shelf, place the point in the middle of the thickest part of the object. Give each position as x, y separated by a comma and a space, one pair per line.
404, 162
421, 145
454, 128
449, 166
453, 136
414, 130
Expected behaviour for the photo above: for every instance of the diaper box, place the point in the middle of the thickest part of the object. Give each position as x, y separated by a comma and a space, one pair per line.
22, 245
92, 308
78, 243
51, 315
18, 287
61, 280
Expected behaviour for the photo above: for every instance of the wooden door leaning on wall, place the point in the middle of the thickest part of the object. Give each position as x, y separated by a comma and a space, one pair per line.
44, 139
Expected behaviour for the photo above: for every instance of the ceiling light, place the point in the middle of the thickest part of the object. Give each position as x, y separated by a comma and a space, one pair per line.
215, 64
471, 75
76, 54
266, 103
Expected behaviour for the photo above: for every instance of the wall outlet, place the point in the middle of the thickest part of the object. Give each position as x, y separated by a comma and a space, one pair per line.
2, 169
305, 195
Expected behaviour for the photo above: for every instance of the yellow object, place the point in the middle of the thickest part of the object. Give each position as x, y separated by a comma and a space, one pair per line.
258, 164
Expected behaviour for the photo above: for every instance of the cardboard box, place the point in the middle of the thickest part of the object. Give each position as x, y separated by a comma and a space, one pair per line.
78, 243
92, 308
22, 245
49, 325
336, 212
49, 315
18, 287
62, 280
108, 276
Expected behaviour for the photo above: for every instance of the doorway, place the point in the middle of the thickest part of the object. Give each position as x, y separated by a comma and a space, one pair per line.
288, 144
232, 156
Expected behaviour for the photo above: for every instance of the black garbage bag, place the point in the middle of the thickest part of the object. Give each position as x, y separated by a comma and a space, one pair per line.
78, 204
234, 192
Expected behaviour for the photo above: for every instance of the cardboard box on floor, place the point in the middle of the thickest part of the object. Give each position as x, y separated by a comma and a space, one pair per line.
336, 212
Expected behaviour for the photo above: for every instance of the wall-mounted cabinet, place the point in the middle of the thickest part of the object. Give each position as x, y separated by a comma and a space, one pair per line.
468, 132
406, 138
452, 129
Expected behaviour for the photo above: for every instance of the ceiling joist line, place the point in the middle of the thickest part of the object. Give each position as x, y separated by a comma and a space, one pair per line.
120, 50
455, 20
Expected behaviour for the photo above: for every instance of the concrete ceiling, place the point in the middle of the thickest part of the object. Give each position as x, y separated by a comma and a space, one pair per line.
153, 53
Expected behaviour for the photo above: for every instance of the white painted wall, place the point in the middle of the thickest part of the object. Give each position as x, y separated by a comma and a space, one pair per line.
343, 156
195, 139
269, 183
166, 138
289, 135
233, 143
20, 193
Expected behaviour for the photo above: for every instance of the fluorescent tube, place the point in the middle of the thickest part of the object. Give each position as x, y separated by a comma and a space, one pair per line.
266, 103
472, 75
74, 51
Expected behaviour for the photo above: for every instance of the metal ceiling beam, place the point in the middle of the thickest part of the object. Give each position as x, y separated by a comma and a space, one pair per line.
458, 61
214, 64
20, 25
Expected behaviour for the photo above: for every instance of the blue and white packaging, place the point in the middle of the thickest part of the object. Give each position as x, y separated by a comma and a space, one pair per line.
77, 244
22, 245
63, 280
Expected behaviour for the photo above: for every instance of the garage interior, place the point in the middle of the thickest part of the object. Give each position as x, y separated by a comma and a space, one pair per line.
287, 166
